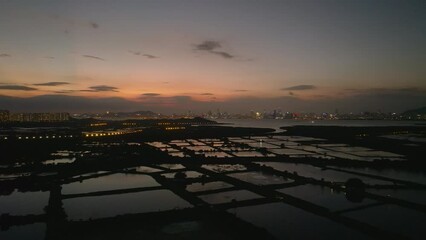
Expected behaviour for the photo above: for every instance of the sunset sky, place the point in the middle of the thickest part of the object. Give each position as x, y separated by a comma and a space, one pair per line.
177, 55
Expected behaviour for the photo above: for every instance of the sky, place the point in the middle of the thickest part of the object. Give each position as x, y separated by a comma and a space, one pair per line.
173, 56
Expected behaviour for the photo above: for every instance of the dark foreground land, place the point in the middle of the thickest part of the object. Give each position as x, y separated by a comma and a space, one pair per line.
215, 182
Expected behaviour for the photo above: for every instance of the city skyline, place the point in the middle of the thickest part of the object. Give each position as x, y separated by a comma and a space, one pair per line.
175, 56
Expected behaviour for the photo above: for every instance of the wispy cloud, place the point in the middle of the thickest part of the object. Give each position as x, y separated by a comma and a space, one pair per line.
207, 94
5, 55
149, 56
94, 25
300, 87
150, 94
51, 84
93, 57
64, 91
223, 54
17, 88
240, 90
208, 45
213, 47
139, 53
101, 88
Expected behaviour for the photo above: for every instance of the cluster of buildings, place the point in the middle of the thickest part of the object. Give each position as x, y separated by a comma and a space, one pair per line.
6, 116
275, 114
278, 114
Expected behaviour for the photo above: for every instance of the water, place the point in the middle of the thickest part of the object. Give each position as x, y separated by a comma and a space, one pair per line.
412, 195
259, 178
319, 173
34, 231
277, 123
19, 203
324, 196
113, 205
188, 174
219, 168
394, 219
229, 196
412, 176
286, 222
110, 182
198, 187
59, 161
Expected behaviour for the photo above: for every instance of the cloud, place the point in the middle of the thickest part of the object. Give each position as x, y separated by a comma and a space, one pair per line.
17, 88
93, 57
150, 94
5, 55
101, 88
94, 25
240, 90
49, 57
207, 94
211, 47
64, 91
138, 53
300, 87
208, 45
149, 56
223, 54
51, 84
135, 52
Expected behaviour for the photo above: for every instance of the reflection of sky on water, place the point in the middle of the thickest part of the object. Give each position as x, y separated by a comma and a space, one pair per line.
224, 167
112, 205
323, 196
110, 182
281, 220
229, 196
19, 203
413, 176
286, 222
317, 173
197, 187
188, 174
259, 178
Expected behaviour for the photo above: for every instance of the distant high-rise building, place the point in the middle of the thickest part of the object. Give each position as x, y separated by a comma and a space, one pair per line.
4, 115
39, 117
